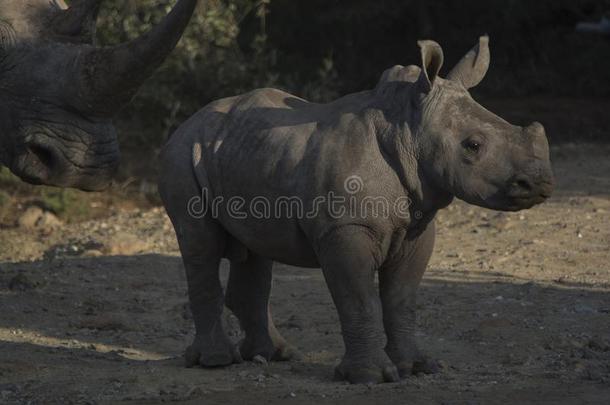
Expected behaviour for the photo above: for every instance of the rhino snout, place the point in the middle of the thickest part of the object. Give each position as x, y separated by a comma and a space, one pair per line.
532, 186
52, 163
526, 187
533, 181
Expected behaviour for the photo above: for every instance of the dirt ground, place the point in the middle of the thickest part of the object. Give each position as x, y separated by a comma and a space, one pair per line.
516, 306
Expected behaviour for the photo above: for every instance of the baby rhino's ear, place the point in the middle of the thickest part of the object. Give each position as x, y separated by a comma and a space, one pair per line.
432, 61
472, 68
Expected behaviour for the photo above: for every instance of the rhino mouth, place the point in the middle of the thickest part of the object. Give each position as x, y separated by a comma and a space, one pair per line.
521, 203
507, 201
528, 195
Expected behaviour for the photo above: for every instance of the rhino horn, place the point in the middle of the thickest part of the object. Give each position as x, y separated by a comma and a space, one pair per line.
471, 69
111, 76
77, 23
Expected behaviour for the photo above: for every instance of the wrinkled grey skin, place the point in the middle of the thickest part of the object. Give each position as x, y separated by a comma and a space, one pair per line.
58, 91
414, 135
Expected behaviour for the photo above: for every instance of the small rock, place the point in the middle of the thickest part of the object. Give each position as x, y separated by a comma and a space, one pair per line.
196, 392
426, 366
584, 309
93, 253
589, 354
125, 244
49, 221
21, 282
592, 371
30, 217
74, 248
258, 359
599, 344
36, 218
494, 326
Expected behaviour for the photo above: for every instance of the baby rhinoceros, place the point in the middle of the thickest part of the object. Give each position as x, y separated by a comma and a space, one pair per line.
353, 187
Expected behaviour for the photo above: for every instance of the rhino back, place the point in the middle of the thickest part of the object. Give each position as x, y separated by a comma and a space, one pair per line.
272, 145
272, 140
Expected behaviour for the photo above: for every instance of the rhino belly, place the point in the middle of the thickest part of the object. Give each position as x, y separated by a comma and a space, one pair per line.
276, 239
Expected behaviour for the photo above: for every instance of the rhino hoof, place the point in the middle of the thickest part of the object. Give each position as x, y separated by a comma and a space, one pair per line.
211, 355
356, 373
252, 349
265, 348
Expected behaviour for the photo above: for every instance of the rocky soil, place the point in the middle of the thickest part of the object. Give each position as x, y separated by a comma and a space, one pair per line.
516, 306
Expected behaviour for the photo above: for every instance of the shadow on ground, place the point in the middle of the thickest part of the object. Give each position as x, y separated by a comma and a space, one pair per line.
112, 329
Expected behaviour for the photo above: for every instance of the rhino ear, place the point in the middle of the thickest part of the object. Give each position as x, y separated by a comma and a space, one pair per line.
77, 23
472, 68
432, 61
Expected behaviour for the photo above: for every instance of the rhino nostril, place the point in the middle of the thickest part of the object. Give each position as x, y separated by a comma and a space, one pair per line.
524, 184
44, 155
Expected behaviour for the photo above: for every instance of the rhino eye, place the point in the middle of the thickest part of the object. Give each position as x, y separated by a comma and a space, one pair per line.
472, 145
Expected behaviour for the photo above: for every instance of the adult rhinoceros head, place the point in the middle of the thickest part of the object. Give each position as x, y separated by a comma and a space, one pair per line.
58, 91
470, 152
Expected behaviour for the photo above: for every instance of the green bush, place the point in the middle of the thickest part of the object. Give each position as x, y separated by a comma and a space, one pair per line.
320, 49
207, 64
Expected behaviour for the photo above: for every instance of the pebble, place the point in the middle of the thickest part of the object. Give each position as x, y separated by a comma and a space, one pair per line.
125, 244
36, 218
584, 309
21, 282
599, 344
258, 359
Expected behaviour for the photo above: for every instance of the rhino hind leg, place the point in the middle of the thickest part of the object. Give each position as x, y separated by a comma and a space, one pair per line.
398, 283
247, 296
202, 243
201, 249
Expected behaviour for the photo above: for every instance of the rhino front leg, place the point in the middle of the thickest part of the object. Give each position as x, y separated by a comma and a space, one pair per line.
349, 263
247, 296
398, 283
